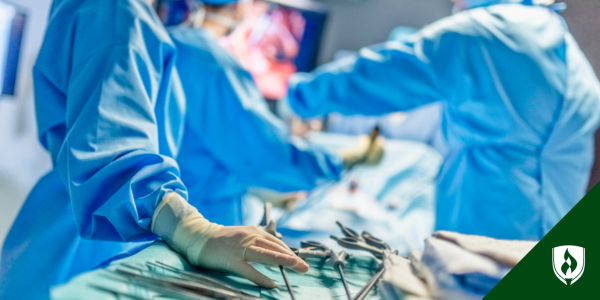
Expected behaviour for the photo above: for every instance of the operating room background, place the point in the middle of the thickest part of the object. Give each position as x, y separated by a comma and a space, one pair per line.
351, 25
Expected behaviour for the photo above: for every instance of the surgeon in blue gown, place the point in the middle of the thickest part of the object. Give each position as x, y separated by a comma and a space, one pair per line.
521, 104
128, 152
230, 134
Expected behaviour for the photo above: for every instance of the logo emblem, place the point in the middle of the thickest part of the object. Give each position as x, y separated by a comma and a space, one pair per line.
568, 263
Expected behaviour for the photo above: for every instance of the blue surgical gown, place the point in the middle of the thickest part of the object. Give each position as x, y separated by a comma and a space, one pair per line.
231, 139
520, 102
111, 111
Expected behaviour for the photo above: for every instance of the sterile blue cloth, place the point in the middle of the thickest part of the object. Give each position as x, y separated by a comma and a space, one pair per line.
321, 282
112, 112
520, 101
232, 140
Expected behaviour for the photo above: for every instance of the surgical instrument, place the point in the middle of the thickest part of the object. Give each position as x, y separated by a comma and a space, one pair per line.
364, 242
115, 291
307, 253
270, 227
162, 288
367, 288
194, 276
338, 260
375, 242
201, 288
312, 249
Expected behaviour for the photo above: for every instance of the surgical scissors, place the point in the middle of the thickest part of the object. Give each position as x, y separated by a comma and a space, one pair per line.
312, 249
364, 242
336, 259
316, 246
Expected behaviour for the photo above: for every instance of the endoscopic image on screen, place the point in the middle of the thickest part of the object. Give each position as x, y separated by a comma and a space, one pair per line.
276, 41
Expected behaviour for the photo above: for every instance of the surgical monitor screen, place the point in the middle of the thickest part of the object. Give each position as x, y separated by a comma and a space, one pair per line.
277, 39
12, 24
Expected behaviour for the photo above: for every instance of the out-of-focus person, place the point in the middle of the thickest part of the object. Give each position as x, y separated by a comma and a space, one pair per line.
521, 104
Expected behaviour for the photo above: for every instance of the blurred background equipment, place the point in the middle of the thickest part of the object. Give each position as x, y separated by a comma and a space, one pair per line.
12, 25
278, 39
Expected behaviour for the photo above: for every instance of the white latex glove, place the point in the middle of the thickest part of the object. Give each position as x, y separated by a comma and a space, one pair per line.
224, 248
364, 152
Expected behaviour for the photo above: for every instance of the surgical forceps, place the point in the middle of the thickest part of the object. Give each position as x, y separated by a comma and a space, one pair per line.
336, 259
364, 242
312, 249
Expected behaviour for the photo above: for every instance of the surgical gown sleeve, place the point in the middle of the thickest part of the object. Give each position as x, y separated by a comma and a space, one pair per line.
122, 130
393, 76
240, 131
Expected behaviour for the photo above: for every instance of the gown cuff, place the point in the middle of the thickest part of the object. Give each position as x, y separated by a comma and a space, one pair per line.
182, 226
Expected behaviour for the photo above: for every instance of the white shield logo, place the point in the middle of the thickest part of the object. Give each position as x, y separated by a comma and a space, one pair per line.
568, 263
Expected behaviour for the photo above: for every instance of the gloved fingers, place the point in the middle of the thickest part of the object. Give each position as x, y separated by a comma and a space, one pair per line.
247, 271
264, 243
277, 246
363, 141
275, 240
268, 257
265, 256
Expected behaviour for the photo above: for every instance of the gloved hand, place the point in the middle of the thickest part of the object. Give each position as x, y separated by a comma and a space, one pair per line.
364, 152
224, 248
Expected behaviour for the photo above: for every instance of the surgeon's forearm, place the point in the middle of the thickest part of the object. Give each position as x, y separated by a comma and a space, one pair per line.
258, 148
304, 168
381, 79
118, 158
313, 95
